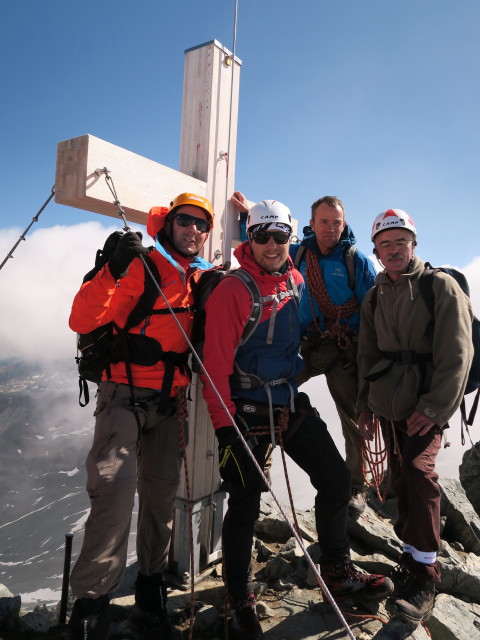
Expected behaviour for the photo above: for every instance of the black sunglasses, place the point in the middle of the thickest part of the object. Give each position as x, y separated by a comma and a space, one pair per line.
279, 237
185, 220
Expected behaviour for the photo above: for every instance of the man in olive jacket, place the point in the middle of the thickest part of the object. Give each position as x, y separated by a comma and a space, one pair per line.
412, 374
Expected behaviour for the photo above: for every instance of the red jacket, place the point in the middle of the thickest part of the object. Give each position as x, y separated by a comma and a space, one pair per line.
103, 300
228, 309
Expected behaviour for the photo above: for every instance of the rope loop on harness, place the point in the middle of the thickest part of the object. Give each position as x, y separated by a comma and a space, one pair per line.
375, 454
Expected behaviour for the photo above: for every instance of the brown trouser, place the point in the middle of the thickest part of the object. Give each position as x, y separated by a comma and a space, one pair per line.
340, 369
414, 480
117, 465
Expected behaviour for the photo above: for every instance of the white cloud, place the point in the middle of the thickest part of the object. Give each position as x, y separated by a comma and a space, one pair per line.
38, 285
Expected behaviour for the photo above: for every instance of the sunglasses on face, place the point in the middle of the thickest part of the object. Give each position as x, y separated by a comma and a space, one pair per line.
279, 237
185, 220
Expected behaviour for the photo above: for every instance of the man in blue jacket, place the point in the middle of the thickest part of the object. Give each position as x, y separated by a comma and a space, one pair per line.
337, 277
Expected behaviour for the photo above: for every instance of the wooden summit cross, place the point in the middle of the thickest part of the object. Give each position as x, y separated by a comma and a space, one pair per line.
209, 131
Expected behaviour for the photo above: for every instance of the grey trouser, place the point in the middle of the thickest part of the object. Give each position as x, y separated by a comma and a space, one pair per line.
117, 465
340, 369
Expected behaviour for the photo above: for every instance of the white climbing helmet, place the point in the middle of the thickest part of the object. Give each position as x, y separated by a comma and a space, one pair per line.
272, 214
392, 219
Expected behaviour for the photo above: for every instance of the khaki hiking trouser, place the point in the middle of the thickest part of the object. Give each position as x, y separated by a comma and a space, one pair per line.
117, 465
340, 369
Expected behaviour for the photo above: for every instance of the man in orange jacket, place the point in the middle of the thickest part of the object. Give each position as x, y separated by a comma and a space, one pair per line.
140, 416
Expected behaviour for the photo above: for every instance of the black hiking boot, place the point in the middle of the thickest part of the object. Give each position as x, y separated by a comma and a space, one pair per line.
401, 574
415, 600
244, 624
149, 615
90, 618
344, 581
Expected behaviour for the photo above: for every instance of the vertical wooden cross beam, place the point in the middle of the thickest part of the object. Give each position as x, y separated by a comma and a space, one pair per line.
207, 163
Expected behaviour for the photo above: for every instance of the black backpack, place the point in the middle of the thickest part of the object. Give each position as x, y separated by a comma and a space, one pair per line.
473, 381
98, 348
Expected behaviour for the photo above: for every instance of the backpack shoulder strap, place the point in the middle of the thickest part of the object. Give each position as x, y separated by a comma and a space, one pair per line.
145, 303
299, 255
350, 265
256, 312
425, 284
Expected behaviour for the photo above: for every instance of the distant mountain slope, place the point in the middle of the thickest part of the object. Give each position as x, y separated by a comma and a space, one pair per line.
45, 437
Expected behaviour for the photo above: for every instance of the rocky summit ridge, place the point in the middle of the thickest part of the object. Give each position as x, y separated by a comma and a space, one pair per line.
290, 604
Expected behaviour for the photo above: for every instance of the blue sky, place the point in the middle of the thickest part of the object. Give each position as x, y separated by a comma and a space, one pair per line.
376, 102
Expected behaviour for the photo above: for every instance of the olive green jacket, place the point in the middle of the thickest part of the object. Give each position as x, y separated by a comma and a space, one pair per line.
400, 322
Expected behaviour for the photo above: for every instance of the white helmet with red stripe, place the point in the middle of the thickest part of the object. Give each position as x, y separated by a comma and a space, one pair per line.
392, 219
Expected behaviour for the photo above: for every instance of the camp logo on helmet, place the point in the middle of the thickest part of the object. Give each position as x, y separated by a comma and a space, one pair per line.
394, 223
269, 217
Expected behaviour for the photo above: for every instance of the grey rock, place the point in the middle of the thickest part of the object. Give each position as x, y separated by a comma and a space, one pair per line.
291, 551
9, 605
277, 567
264, 611
453, 619
460, 572
33, 621
469, 472
272, 526
375, 533
263, 552
205, 619
463, 523
398, 630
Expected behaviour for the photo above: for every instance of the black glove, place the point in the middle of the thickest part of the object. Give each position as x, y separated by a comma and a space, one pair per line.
234, 462
129, 247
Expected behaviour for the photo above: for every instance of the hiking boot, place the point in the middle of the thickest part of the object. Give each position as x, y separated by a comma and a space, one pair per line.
415, 601
150, 611
356, 504
149, 625
151, 594
401, 574
244, 624
344, 581
90, 618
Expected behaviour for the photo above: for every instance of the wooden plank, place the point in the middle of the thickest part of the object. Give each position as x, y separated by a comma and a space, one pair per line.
140, 183
209, 129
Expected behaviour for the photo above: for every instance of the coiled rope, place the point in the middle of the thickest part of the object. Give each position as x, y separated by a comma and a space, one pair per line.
333, 312
375, 454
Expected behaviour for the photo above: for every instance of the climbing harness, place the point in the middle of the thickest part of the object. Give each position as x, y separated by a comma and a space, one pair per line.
22, 237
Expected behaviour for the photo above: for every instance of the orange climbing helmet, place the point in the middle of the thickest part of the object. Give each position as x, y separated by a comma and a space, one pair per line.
158, 215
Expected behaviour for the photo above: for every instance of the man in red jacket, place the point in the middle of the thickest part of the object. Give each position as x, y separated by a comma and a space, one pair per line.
256, 380
139, 418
